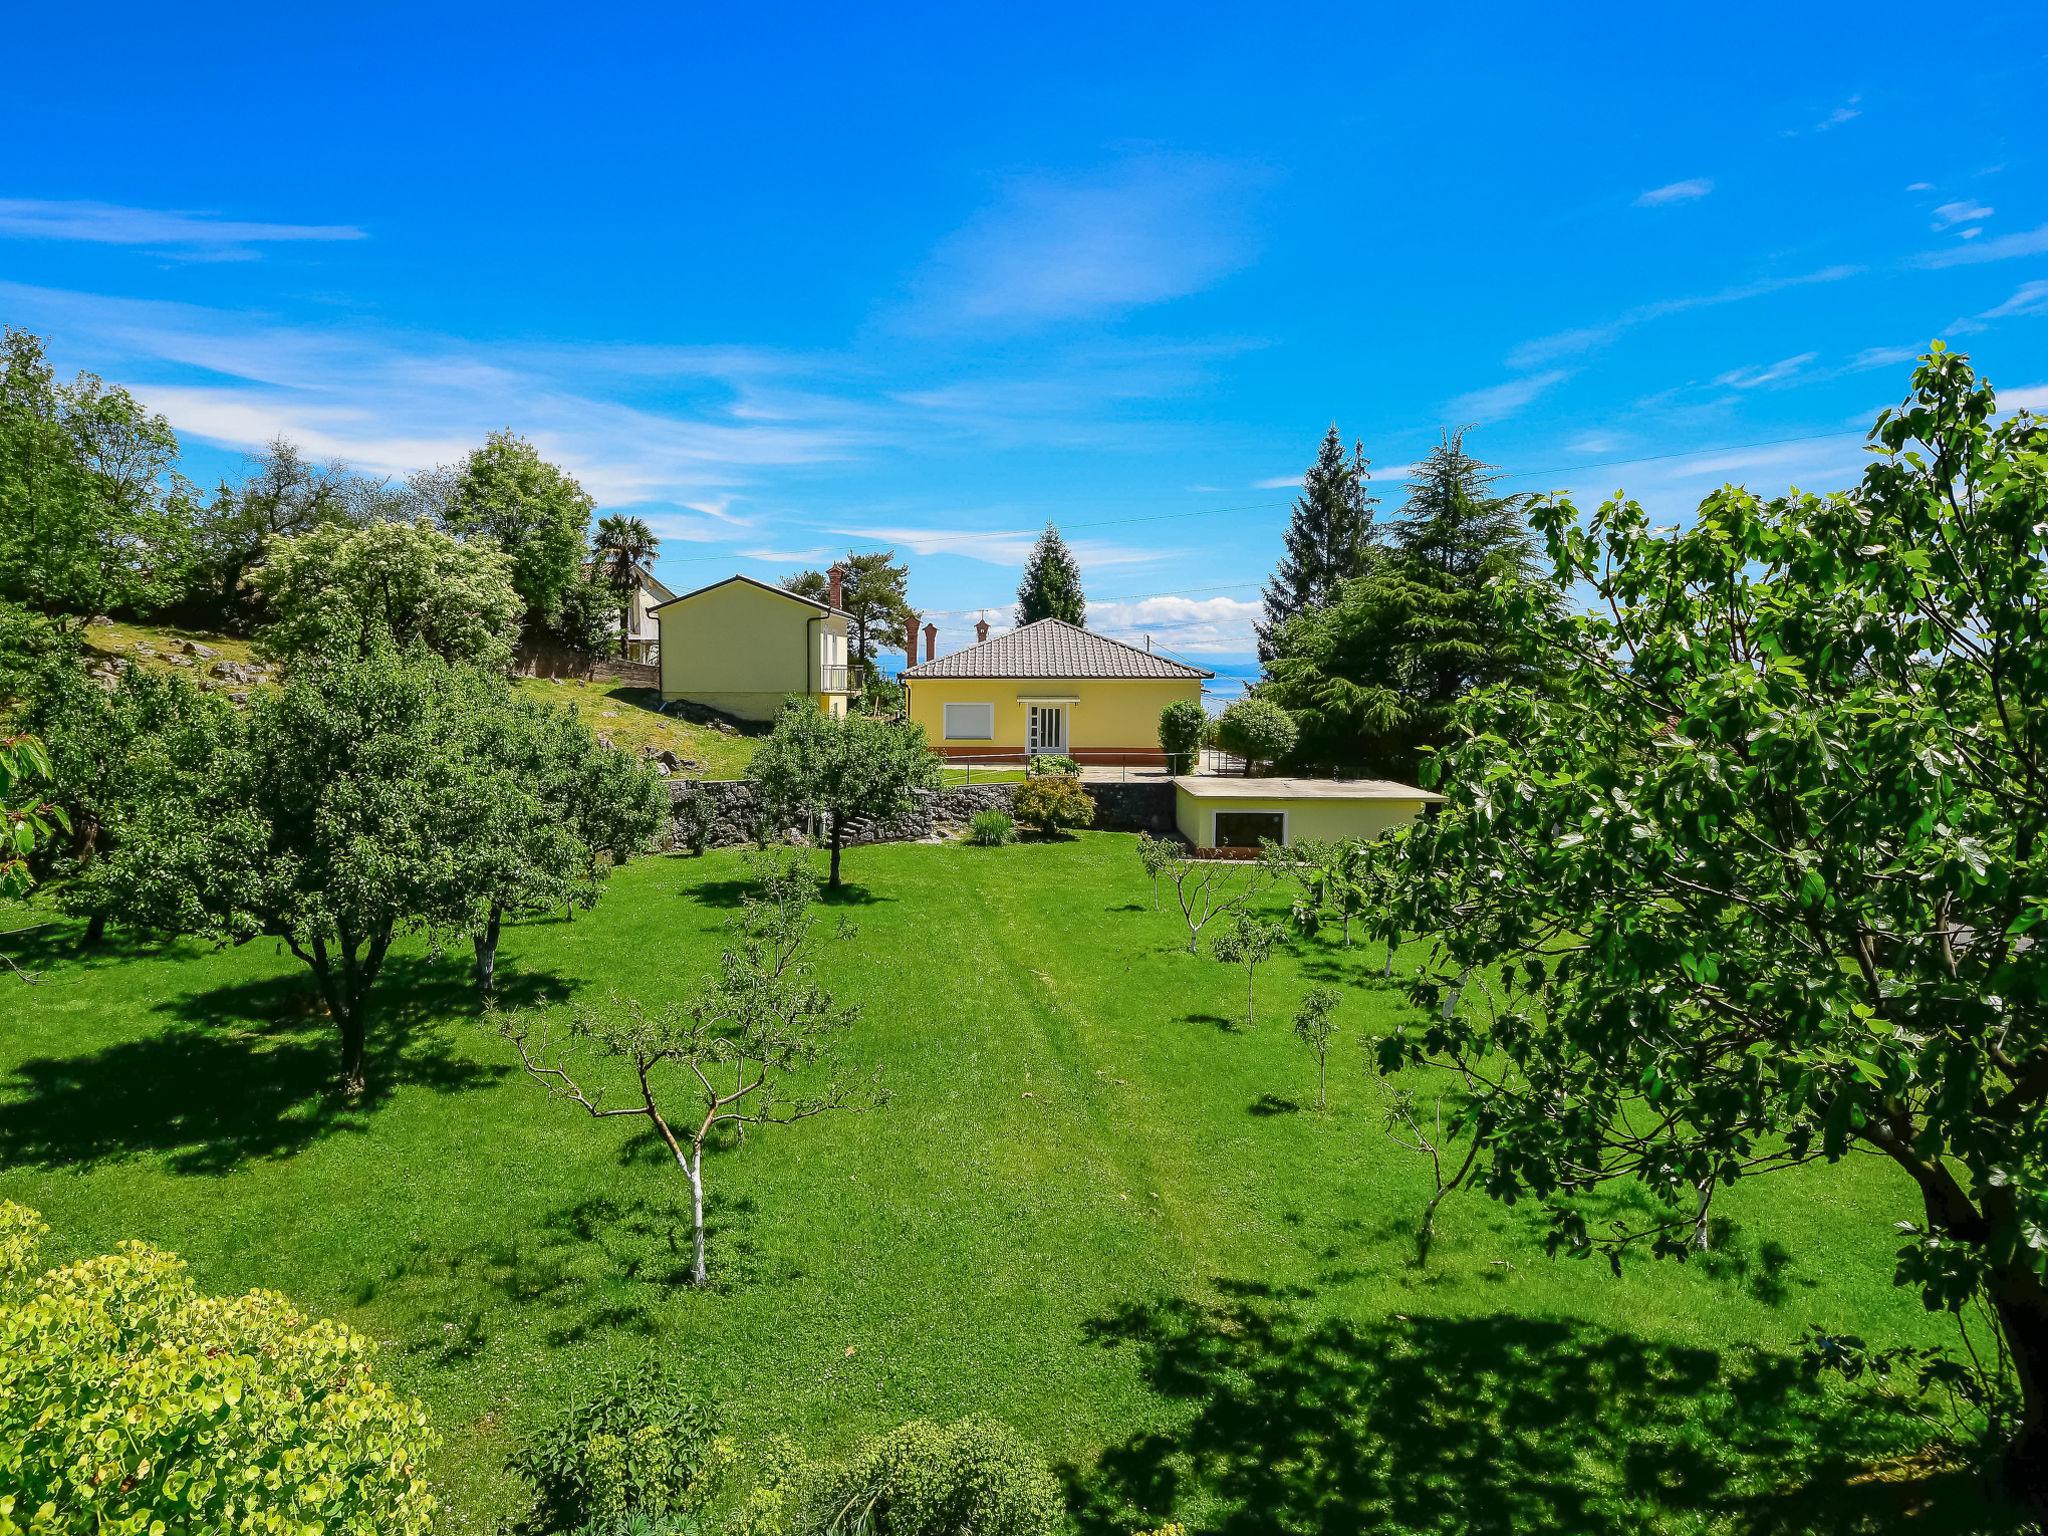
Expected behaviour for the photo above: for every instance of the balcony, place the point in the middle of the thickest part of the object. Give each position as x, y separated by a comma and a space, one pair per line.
835, 679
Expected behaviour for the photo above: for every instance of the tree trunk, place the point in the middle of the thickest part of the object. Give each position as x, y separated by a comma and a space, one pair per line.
95, 929
353, 1077
1251, 1000
833, 882
486, 942
693, 1169
1322, 1079
2022, 1304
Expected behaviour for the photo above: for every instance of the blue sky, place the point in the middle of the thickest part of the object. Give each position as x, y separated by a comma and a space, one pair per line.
796, 281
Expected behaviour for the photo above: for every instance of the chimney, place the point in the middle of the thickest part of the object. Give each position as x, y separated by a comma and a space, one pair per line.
910, 640
838, 578
931, 641
980, 630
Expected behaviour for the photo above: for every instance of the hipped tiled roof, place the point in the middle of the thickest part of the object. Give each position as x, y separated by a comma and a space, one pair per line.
1053, 648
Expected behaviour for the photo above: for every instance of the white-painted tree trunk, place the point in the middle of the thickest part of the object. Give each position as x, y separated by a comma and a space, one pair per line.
692, 1161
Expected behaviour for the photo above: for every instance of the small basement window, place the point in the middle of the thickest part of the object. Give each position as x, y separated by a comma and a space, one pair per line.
970, 722
1244, 829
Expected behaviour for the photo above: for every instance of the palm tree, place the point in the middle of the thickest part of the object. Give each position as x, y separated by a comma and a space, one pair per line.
623, 545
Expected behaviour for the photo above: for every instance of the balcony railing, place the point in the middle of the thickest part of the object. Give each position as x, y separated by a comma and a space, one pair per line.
835, 679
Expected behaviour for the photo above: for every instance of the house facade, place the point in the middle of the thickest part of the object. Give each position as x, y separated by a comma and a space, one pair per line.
1048, 687
1222, 811
743, 647
643, 633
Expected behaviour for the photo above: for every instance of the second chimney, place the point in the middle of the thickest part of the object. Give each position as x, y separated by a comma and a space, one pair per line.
837, 576
980, 630
931, 641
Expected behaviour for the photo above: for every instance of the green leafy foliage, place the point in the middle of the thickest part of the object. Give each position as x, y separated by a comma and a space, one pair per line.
623, 545
991, 828
1315, 1025
1330, 537
1248, 941
1051, 588
694, 820
874, 593
1054, 803
1755, 880
1183, 728
1051, 762
920, 1479
815, 765
1257, 730
27, 818
644, 1447
534, 511
340, 591
132, 1403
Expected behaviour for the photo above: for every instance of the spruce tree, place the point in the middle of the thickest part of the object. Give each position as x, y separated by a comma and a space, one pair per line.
1051, 588
1330, 537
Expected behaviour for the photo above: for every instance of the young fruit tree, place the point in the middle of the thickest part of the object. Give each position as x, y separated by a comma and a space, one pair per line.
749, 1047
813, 765
1206, 889
1758, 878
1314, 1027
1247, 941
1155, 857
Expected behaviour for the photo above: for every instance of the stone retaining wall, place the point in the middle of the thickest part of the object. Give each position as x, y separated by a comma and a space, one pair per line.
736, 810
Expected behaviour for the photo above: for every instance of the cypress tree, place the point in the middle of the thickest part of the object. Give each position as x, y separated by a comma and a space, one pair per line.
1330, 537
1051, 588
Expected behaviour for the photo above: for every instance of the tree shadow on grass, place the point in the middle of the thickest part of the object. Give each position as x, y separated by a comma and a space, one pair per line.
245, 1071
1272, 1104
1502, 1426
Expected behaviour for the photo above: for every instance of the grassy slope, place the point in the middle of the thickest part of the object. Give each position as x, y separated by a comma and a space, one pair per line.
1093, 1207
618, 712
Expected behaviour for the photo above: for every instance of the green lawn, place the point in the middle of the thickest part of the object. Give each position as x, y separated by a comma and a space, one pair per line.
1095, 1206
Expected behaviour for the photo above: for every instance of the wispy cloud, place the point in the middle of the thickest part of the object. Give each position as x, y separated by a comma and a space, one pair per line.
1881, 357
1767, 373
1848, 111
1544, 349
2028, 299
1062, 248
995, 545
1675, 192
2029, 242
1213, 626
1962, 211
198, 235
2031, 397
1498, 401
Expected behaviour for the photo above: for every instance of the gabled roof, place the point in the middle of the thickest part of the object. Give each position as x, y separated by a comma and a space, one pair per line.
795, 597
1053, 648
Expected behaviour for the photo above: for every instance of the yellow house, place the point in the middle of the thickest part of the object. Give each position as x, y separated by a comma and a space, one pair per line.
1048, 687
742, 647
1215, 811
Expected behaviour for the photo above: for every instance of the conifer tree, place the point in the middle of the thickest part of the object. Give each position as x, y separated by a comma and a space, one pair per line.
1330, 536
1051, 588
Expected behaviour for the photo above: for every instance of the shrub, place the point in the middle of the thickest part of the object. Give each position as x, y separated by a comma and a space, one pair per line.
992, 828
1053, 803
1183, 727
641, 1449
694, 817
1257, 730
131, 1402
925, 1479
1047, 763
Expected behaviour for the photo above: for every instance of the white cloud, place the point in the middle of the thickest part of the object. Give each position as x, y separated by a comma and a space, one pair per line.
1544, 349
2029, 299
1847, 112
1056, 248
1199, 626
1675, 192
1277, 483
2030, 242
1882, 357
194, 234
1008, 547
1498, 401
1948, 215
1919, 186
1767, 373
2032, 397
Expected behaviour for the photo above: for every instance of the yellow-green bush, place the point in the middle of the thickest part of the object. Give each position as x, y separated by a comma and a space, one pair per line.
133, 1405
926, 1479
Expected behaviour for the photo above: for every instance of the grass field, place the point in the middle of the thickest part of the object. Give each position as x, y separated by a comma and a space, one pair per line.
1096, 1206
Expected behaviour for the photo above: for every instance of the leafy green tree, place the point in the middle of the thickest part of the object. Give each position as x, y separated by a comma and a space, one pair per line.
587, 616
1372, 676
874, 591
535, 511
343, 591
1757, 881
623, 545
1330, 537
1183, 727
812, 765
340, 818
1257, 730
1051, 588
926, 1479
286, 495
93, 516
27, 818
130, 1401
1315, 1025
1247, 941
727, 1057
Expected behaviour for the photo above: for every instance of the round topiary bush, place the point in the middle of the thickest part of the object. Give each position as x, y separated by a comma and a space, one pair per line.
1257, 730
1183, 727
1054, 803
130, 1401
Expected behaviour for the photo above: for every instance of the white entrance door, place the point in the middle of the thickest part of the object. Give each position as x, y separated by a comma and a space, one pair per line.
1047, 726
